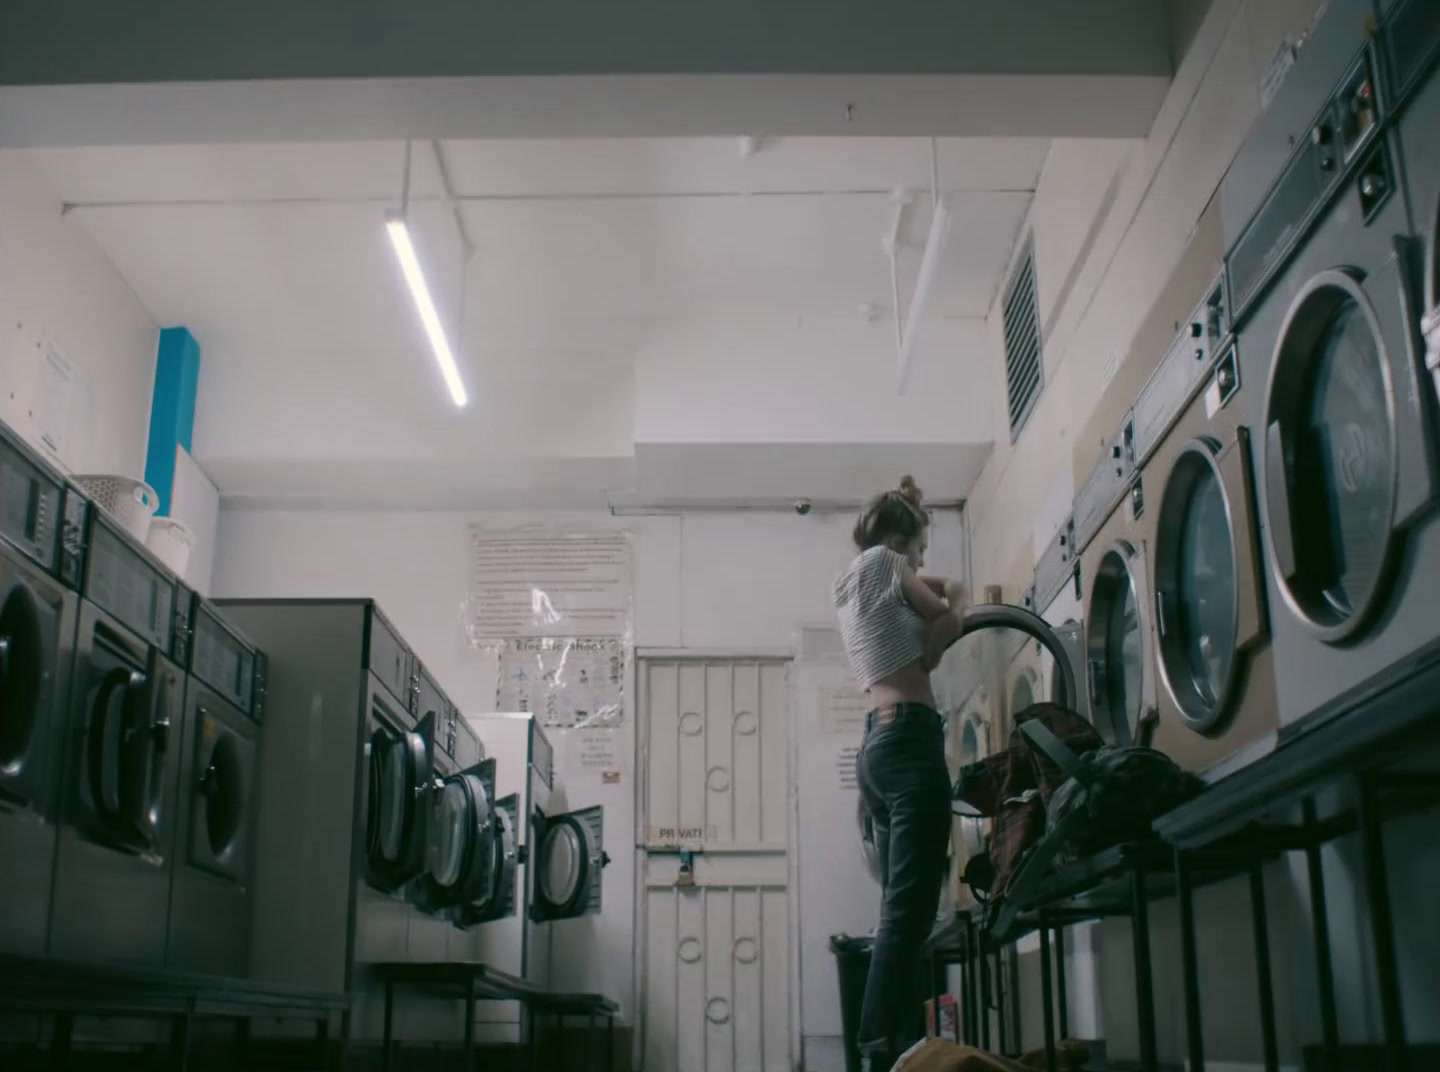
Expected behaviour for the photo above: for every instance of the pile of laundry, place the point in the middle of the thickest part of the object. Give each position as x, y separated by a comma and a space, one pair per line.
938, 1055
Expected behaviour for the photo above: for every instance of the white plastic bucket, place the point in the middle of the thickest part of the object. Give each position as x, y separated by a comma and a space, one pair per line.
172, 542
130, 502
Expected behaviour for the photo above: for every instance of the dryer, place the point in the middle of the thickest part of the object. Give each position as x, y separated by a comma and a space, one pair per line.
216, 801
1345, 434
346, 777
560, 857
115, 848
1114, 508
41, 542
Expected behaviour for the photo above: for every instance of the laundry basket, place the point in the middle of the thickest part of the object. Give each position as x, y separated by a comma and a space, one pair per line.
130, 502
172, 542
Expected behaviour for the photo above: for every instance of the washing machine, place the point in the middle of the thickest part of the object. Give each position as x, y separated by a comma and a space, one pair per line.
346, 771
560, 856
114, 855
1411, 40
219, 744
39, 571
1344, 434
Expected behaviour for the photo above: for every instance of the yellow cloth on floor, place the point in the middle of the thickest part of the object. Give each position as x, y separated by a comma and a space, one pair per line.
938, 1055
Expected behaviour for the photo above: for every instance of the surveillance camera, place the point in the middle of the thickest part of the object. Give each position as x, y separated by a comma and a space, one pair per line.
802, 506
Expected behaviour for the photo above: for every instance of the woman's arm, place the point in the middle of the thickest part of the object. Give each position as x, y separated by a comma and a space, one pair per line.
921, 596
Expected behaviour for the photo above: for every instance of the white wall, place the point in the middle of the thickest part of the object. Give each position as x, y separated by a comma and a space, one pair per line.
737, 582
1098, 276
57, 289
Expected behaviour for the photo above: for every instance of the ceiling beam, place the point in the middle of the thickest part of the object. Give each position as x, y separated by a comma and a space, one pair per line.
98, 72
50, 42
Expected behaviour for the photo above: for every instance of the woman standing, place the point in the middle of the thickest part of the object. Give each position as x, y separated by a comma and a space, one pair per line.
896, 625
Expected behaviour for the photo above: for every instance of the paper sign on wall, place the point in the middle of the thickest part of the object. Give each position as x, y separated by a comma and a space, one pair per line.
543, 583
566, 683
842, 709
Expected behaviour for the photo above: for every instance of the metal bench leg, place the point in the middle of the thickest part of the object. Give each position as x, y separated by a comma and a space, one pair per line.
387, 1061
1189, 964
1144, 976
322, 1039
1382, 927
470, 1024
1262, 970
1062, 996
342, 1051
1320, 930
64, 1035
1047, 998
180, 1041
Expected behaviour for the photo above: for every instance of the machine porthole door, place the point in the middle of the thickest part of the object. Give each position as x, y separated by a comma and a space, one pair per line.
569, 858
1115, 631
1208, 608
127, 741
27, 628
224, 764
398, 813
1332, 460
461, 857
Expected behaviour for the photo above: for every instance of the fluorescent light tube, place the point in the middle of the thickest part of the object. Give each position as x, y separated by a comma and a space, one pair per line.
415, 277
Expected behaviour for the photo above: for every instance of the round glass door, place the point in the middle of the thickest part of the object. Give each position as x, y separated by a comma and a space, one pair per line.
395, 827
222, 789
1196, 580
1331, 460
22, 675
447, 850
1022, 693
1115, 643
972, 750
563, 864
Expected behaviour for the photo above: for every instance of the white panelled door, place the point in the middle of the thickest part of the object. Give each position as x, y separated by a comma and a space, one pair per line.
715, 946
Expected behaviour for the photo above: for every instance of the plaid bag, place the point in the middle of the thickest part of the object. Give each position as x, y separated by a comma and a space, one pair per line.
1059, 793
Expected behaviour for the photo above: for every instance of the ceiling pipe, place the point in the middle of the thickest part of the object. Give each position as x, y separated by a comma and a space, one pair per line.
891, 243
924, 283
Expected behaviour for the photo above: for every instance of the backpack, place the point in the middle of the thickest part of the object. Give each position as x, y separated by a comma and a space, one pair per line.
1057, 794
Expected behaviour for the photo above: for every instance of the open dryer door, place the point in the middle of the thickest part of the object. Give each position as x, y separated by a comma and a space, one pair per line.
398, 803
568, 859
495, 899
460, 859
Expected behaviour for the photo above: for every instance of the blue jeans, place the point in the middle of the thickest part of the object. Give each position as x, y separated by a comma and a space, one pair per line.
906, 789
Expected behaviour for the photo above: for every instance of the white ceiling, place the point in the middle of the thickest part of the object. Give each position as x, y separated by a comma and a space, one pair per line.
276, 258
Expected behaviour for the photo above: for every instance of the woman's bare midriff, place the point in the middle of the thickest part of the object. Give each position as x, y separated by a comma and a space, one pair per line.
909, 684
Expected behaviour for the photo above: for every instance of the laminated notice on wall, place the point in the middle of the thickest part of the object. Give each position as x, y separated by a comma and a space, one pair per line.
843, 709
548, 583
566, 683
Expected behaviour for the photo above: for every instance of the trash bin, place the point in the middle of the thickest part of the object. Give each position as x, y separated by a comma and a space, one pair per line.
852, 964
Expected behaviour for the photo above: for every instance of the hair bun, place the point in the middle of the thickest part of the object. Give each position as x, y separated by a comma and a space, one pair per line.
910, 491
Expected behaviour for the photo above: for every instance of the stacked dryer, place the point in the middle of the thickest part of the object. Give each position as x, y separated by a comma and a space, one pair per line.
121, 758
561, 854
218, 740
1327, 307
41, 542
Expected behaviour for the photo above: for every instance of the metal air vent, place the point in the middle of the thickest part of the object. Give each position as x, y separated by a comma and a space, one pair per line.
1024, 366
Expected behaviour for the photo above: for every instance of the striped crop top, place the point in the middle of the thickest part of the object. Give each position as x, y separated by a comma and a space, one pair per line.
882, 632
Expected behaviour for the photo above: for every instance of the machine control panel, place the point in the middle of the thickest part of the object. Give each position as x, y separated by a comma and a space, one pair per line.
223, 659
30, 506
124, 581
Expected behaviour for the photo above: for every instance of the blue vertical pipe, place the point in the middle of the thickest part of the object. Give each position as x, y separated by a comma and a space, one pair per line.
172, 410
